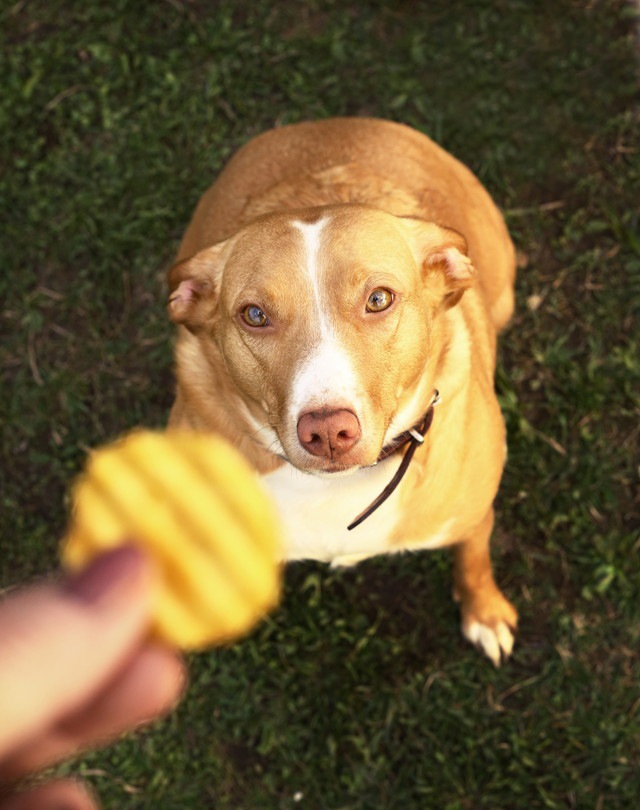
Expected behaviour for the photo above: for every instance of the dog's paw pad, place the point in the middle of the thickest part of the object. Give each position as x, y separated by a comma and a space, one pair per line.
495, 641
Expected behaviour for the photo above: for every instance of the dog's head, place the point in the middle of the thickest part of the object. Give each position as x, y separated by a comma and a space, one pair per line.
327, 323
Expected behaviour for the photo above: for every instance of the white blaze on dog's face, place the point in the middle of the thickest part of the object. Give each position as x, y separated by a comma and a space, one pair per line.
325, 319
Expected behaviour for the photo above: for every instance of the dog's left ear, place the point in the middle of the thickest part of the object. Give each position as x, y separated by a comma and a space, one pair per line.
441, 253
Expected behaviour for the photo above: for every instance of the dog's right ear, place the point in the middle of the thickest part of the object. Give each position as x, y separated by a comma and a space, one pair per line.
194, 284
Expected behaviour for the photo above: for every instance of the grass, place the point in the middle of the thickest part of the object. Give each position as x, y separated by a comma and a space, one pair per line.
358, 693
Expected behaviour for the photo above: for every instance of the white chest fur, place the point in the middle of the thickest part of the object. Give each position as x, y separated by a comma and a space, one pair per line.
317, 510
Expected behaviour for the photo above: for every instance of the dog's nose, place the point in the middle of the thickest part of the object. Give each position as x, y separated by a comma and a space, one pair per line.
328, 433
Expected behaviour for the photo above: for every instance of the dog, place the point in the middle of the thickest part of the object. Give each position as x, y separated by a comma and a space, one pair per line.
338, 294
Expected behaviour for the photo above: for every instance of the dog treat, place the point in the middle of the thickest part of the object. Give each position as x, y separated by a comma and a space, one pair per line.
196, 505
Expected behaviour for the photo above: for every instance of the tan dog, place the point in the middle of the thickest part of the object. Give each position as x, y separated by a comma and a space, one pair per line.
333, 278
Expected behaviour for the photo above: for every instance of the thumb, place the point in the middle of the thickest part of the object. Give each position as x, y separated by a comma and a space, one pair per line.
59, 644
66, 794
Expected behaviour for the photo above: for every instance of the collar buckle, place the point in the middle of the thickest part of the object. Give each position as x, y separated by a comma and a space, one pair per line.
415, 435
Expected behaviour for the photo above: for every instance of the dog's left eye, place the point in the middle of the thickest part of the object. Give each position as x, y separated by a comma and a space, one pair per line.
379, 300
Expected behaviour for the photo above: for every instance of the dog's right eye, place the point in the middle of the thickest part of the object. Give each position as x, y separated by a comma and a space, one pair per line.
252, 315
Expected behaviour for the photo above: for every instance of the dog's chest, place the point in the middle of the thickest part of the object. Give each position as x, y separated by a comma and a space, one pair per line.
317, 510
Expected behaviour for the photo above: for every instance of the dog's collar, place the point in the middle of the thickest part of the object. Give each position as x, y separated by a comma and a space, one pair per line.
414, 437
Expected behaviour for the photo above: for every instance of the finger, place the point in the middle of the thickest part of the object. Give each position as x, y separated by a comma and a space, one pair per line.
59, 645
148, 687
63, 795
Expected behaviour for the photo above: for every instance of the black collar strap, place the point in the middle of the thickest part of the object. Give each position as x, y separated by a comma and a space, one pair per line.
414, 437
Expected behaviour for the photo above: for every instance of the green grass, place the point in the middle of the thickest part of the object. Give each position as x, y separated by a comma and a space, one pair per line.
358, 693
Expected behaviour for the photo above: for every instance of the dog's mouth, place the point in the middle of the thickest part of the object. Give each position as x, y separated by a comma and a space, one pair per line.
325, 467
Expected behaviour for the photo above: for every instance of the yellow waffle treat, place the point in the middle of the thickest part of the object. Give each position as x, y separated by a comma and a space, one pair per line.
198, 508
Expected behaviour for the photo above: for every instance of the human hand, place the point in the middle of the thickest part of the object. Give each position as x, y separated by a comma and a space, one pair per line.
76, 669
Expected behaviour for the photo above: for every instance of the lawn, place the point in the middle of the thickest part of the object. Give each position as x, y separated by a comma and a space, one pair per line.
358, 693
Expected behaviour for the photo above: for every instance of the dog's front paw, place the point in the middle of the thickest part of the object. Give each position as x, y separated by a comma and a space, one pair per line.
489, 621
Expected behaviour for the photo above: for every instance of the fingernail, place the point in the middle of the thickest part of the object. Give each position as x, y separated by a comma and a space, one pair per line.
108, 574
